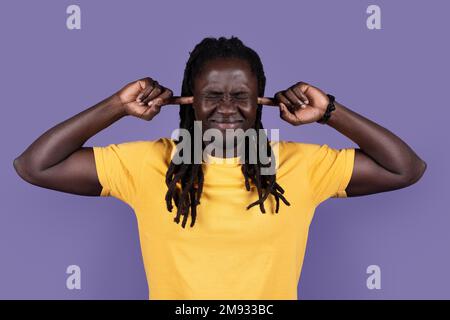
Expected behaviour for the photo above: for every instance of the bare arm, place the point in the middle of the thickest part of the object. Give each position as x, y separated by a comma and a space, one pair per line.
383, 161
57, 159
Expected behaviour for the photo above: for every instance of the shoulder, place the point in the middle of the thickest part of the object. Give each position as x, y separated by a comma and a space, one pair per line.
310, 156
159, 145
162, 144
292, 150
139, 150
157, 152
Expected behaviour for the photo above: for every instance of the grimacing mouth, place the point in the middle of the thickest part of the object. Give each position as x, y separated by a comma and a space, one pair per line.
226, 120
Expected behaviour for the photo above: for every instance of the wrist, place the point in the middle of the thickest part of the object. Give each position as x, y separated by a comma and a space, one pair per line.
114, 102
330, 108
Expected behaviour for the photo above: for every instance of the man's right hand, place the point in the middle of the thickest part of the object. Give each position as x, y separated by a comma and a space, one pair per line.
57, 159
144, 98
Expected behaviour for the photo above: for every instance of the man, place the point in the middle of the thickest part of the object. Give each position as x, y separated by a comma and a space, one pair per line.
241, 243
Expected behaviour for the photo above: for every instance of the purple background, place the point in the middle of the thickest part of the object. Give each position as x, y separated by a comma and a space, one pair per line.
397, 77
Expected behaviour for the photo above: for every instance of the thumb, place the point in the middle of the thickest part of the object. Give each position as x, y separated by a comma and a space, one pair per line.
288, 116
144, 82
284, 112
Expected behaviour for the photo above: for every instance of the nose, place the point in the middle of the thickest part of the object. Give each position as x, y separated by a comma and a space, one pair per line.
226, 105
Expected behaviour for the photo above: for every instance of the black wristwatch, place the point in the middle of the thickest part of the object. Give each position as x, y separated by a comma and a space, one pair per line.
330, 108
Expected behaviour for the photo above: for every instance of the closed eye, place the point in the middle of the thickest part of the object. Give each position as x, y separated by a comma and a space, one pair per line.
218, 95
241, 95
213, 96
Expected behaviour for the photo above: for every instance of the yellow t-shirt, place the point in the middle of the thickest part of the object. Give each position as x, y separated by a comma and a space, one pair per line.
230, 252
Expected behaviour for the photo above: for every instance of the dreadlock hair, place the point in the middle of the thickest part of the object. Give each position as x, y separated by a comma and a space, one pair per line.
190, 175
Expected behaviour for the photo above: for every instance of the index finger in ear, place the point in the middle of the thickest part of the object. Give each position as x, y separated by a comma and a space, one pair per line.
267, 101
164, 97
181, 100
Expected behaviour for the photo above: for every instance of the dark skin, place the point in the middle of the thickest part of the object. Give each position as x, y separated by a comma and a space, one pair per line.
225, 89
383, 161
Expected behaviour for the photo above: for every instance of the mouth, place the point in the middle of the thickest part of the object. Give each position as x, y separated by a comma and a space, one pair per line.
226, 123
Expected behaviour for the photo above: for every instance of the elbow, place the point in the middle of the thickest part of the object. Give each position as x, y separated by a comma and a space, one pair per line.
17, 166
417, 173
22, 170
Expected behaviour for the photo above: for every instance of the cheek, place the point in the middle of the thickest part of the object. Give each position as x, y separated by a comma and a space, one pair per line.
250, 110
200, 111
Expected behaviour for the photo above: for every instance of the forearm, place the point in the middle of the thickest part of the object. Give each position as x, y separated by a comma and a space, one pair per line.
384, 147
59, 142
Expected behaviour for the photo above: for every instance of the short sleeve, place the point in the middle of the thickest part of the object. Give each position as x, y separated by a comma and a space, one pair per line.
330, 172
118, 169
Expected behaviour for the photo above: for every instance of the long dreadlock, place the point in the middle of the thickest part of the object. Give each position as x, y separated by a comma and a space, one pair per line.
190, 175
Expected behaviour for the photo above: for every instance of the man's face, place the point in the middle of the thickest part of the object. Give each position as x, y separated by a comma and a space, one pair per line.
225, 95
